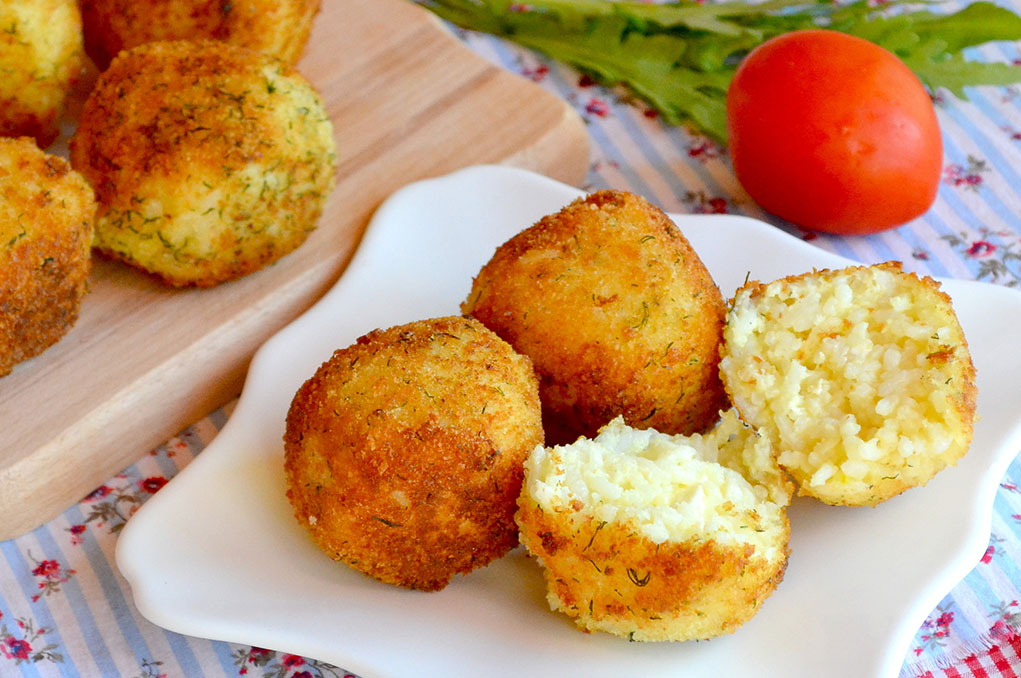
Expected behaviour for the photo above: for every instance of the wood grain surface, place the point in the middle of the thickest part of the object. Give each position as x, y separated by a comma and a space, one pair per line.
408, 101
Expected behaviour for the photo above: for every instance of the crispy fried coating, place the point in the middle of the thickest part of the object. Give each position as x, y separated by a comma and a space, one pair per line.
654, 537
861, 377
209, 161
403, 452
616, 311
277, 27
46, 213
41, 58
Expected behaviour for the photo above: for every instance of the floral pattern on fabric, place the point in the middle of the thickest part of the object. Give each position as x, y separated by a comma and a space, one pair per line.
26, 643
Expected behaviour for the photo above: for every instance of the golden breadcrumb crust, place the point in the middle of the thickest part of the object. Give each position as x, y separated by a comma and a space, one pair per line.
209, 161
403, 453
616, 311
861, 377
613, 580
41, 58
610, 575
277, 27
46, 213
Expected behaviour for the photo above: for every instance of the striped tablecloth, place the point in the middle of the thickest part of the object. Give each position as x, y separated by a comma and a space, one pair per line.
65, 611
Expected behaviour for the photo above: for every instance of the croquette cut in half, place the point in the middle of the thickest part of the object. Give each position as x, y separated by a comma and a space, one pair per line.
860, 377
209, 161
279, 28
404, 452
654, 537
617, 312
41, 58
46, 213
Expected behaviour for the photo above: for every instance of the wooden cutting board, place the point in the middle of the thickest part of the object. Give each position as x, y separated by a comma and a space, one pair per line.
408, 101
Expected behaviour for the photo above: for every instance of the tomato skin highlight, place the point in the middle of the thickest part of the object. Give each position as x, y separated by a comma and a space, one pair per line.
833, 133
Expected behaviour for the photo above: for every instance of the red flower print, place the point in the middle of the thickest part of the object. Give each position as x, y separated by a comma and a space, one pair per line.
47, 568
969, 177
980, 248
301, 674
256, 652
1000, 630
597, 107
703, 150
945, 619
15, 648
700, 203
152, 484
537, 74
292, 660
585, 80
987, 557
98, 493
76, 534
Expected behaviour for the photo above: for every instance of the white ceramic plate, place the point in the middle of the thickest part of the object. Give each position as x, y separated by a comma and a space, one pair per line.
221, 535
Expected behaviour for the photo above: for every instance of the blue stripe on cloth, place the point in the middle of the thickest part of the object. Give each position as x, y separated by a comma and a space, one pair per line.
79, 605
41, 615
992, 156
183, 653
878, 249
124, 612
667, 173
161, 456
8, 617
1006, 506
957, 206
978, 585
934, 262
224, 653
105, 577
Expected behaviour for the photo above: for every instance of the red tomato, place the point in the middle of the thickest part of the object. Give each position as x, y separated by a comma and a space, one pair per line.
833, 133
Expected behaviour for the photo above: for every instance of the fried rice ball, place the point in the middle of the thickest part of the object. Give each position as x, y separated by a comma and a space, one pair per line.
655, 537
617, 313
209, 161
277, 27
41, 58
860, 377
46, 212
404, 452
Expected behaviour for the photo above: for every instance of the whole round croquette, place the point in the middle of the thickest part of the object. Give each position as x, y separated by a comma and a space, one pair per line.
209, 161
617, 312
403, 453
277, 27
41, 58
46, 213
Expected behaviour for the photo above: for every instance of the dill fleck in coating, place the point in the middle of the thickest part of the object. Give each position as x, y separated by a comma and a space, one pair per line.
861, 377
41, 59
279, 28
655, 537
46, 212
209, 161
616, 311
404, 451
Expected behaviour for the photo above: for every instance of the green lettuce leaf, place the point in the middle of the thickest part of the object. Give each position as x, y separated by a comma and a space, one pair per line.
680, 56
